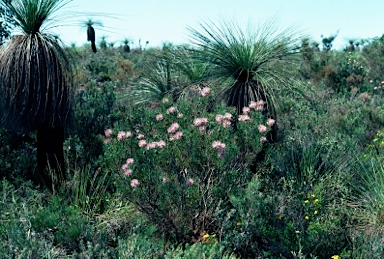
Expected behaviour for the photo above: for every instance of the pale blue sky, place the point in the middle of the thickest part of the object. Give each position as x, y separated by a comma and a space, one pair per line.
159, 21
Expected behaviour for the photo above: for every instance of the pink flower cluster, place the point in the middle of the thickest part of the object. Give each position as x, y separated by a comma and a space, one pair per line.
123, 135
190, 182
198, 122
159, 117
246, 110
258, 106
218, 145
108, 133
127, 171
262, 129
170, 110
244, 118
178, 135
224, 120
142, 143
156, 144
120, 136
173, 128
270, 122
205, 91
134, 182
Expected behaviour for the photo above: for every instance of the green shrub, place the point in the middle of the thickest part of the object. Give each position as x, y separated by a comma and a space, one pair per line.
17, 237
374, 54
209, 251
95, 108
17, 156
298, 210
66, 223
182, 171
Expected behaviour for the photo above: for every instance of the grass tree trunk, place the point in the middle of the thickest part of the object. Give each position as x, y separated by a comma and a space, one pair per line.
50, 156
91, 36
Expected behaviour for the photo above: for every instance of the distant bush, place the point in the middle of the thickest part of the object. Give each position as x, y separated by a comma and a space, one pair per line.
374, 54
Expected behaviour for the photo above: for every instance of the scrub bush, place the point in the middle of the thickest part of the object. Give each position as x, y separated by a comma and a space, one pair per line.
178, 164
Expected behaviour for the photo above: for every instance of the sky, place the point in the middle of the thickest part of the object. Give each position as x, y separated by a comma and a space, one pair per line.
160, 21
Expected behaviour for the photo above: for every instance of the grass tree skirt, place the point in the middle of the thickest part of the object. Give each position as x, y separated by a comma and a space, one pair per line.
50, 156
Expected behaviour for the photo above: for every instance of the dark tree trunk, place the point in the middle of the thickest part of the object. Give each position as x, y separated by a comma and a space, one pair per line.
91, 36
93, 45
50, 156
126, 48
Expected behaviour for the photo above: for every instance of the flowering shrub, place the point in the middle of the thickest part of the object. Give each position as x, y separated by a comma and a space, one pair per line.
181, 168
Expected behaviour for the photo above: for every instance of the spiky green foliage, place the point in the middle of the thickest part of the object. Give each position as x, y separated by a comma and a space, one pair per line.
35, 78
161, 77
31, 17
4, 27
252, 59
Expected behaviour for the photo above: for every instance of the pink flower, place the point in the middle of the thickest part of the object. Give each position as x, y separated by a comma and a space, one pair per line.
262, 129
244, 118
179, 115
202, 129
226, 123
151, 145
128, 172
252, 105
124, 167
200, 122
260, 105
107, 140
161, 144
218, 145
69, 147
128, 134
190, 182
134, 183
108, 132
205, 91
227, 116
170, 110
178, 135
219, 118
140, 136
159, 117
129, 161
263, 139
121, 135
246, 110
173, 128
270, 122
142, 143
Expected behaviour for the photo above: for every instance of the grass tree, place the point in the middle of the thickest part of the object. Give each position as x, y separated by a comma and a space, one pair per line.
253, 62
35, 83
126, 47
91, 35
